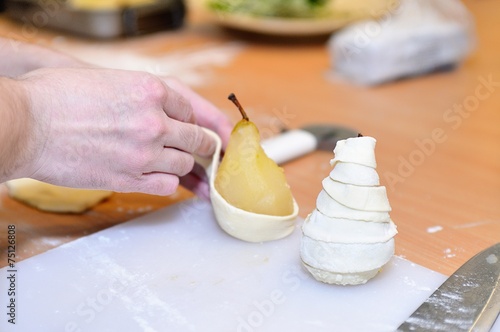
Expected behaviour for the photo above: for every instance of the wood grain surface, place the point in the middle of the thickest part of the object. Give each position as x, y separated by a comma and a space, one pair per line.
441, 168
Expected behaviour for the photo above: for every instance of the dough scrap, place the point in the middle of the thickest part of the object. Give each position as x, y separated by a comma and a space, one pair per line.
51, 198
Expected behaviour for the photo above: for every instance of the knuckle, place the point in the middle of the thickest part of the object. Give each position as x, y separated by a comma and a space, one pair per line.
137, 163
154, 88
180, 163
186, 110
151, 128
137, 159
179, 107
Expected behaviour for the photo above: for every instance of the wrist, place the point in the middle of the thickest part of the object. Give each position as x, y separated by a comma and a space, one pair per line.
15, 129
56, 59
25, 57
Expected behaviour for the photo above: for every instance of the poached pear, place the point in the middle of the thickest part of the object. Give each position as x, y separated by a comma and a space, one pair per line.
247, 178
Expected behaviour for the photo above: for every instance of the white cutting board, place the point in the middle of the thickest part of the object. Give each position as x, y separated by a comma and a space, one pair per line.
176, 270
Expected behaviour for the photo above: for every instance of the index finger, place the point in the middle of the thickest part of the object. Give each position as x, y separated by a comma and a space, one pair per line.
190, 138
207, 115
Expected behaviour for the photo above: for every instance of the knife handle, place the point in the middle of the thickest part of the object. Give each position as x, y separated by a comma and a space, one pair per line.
289, 145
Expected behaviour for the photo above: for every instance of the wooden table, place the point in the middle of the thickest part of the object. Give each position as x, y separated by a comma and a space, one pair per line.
446, 197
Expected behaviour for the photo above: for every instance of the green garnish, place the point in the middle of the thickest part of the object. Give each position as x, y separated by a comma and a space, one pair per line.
271, 8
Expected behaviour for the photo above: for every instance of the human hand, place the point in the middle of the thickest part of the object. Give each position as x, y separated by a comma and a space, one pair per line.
111, 129
208, 116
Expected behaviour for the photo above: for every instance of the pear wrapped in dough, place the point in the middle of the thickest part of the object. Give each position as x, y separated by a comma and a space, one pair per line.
251, 198
349, 236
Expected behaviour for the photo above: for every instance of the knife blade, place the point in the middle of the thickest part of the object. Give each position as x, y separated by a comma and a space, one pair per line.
469, 300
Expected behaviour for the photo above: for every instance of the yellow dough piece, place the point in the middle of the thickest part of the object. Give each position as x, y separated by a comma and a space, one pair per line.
51, 198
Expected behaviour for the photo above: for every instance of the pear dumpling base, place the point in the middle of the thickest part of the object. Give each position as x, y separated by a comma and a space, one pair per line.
344, 263
343, 279
252, 227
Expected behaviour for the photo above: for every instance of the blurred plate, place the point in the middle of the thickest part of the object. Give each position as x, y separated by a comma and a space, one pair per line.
345, 13
281, 26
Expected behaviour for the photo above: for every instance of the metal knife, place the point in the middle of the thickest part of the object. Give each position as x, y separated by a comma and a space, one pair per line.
469, 300
291, 144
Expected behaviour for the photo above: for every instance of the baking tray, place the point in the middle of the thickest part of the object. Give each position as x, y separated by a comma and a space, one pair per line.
99, 23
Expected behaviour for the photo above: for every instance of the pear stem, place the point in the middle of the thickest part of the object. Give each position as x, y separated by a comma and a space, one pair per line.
233, 98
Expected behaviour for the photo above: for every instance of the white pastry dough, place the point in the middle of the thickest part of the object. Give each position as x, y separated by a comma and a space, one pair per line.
349, 237
358, 197
323, 228
358, 150
330, 207
341, 278
51, 198
355, 174
346, 257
